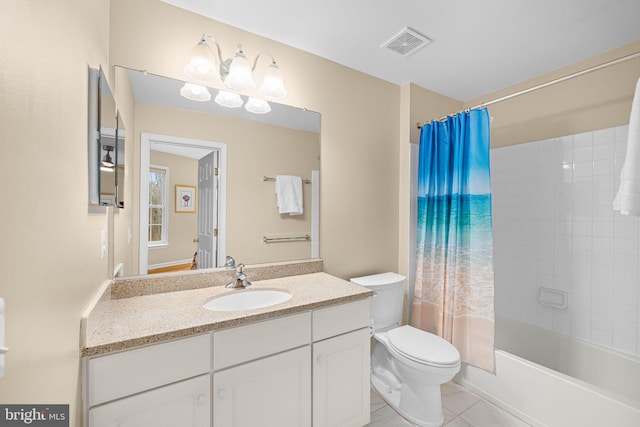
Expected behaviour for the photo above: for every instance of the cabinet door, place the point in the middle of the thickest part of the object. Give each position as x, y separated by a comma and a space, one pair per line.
341, 380
274, 391
125, 373
184, 404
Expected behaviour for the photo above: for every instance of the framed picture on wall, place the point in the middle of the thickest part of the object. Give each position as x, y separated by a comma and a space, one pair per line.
185, 198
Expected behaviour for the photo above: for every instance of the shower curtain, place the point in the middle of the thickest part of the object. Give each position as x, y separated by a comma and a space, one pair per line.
453, 295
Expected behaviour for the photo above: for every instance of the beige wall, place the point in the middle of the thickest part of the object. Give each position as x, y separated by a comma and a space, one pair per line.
50, 255
593, 101
183, 227
360, 126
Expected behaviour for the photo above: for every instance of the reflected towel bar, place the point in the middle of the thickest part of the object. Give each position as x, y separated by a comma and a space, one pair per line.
285, 239
268, 178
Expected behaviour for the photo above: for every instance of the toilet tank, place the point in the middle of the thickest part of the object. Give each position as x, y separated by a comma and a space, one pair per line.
386, 305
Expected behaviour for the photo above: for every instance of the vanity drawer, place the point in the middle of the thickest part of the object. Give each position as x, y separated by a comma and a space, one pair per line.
250, 342
122, 374
339, 319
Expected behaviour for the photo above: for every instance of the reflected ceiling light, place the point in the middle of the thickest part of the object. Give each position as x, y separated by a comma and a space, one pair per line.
257, 106
195, 92
236, 73
107, 164
228, 99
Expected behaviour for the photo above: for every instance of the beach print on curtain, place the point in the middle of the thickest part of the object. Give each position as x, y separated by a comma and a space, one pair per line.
454, 270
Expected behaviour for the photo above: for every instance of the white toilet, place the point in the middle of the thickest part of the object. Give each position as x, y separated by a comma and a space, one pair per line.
407, 364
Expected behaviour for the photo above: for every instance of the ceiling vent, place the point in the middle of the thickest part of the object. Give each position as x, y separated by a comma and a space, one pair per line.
407, 42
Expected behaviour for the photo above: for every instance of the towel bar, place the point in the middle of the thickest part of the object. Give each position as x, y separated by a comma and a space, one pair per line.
285, 239
268, 178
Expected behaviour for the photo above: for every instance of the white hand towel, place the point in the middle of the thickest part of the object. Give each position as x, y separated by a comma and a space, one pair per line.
627, 201
289, 194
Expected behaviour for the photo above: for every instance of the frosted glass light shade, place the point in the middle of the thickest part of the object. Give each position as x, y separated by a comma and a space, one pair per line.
240, 76
201, 66
228, 99
195, 92
273, 85
257, 106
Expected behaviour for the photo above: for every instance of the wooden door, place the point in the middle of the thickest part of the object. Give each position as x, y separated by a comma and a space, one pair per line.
207, 210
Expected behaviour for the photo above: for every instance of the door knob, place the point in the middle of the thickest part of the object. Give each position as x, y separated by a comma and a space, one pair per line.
196, 240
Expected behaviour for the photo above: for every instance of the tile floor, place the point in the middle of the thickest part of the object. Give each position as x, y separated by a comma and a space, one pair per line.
461, 408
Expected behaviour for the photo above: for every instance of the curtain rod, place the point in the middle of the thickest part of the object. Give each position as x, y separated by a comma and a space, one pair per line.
543, 85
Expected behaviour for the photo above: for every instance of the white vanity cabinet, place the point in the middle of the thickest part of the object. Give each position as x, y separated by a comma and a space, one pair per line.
299, 370
186, 404
164, 384
262, 374
274, 391
341, 365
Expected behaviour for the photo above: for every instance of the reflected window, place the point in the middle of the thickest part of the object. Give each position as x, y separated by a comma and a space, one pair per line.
158, 205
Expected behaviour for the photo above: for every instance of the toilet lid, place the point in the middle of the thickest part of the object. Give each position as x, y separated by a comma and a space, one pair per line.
423, 347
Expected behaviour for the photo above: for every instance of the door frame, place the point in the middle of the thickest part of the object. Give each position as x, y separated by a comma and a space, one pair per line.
146, 139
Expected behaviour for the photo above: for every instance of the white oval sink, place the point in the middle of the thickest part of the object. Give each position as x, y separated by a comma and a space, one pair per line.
247, 300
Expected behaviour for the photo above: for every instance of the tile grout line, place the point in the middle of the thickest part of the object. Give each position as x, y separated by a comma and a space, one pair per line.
462, 413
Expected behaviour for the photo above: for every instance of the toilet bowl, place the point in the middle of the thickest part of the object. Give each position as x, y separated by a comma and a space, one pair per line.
407, 365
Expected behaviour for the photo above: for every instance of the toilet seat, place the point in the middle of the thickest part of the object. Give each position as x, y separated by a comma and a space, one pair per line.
423, 347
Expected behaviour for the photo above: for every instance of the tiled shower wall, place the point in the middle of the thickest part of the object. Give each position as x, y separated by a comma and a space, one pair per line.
554, 227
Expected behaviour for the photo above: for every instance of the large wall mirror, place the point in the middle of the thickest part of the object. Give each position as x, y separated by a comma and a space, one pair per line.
202, 180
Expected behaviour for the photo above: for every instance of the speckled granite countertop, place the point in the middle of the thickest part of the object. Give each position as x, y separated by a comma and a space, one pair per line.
119, 324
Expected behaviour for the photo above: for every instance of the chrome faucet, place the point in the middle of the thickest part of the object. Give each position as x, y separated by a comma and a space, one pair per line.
240, 280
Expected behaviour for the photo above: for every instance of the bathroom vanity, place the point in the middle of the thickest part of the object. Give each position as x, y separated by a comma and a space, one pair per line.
299, 363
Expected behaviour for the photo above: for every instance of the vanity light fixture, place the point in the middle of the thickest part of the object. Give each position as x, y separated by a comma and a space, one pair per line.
195, 92
107, 165
236, 73
257, 106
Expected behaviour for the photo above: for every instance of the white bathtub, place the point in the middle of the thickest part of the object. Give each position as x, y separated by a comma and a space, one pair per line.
598, 387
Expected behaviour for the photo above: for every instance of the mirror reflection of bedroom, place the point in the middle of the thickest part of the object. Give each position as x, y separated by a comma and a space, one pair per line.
173, 207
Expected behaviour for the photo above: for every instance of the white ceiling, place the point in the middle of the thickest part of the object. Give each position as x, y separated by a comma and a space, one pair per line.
479, 46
